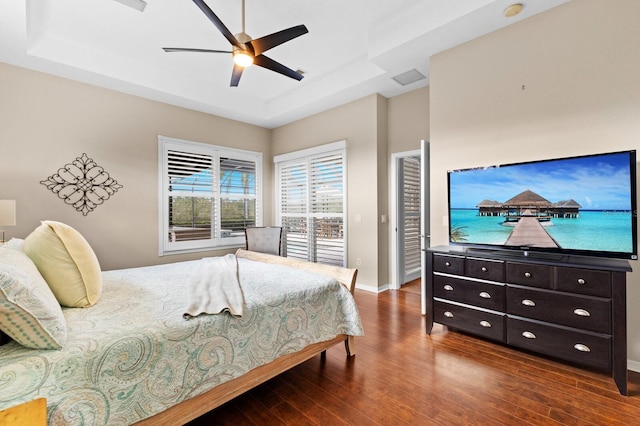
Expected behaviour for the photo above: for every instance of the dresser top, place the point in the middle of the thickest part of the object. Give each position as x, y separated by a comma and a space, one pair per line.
554, 259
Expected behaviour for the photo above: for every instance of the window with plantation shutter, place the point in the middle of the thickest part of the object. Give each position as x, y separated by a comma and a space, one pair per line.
208, 195
311, 187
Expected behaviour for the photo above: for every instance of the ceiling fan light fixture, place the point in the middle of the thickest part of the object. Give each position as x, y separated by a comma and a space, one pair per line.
242, 58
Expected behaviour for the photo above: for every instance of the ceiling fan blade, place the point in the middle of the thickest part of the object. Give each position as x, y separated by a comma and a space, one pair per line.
186, 49
265, 62
267, 42
217, 22
235, 76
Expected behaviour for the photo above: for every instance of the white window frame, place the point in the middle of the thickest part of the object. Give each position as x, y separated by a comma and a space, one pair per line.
306, 155
165, 143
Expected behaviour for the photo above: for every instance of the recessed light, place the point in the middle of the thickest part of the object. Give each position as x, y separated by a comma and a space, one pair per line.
513, 10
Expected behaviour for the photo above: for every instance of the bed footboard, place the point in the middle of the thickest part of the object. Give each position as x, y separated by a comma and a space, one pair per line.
346, 276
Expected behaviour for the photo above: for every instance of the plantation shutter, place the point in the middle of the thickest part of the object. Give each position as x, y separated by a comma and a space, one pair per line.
208, 195
411, 208
293, 207
192, 207
327, 208
238, 195
311, 205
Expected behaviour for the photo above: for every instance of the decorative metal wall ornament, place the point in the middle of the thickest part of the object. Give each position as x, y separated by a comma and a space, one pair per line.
82, 184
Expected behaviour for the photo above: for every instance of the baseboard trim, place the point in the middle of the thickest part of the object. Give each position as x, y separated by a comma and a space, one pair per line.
369, 288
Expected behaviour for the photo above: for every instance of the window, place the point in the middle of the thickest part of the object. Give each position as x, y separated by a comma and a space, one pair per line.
311, 189
208, 195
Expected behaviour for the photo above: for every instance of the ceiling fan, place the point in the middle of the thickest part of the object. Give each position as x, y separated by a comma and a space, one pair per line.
245, 50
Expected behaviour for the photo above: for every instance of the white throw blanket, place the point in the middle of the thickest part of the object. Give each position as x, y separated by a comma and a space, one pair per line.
214, 288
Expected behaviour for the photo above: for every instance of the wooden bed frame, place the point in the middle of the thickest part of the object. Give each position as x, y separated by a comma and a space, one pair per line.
201, 404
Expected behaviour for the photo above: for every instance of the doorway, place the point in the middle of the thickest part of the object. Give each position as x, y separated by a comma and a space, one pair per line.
406, 220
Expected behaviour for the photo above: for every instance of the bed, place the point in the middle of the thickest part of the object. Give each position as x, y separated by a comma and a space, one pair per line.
132, 358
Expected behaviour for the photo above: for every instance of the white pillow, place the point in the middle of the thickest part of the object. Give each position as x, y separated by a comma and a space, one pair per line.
14, 243
67, 263
29, 312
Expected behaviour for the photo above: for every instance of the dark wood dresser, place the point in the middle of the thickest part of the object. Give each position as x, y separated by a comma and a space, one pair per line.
568, 307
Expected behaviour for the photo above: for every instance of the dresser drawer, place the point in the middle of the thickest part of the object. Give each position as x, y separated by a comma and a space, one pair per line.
492, 270
481, 294
529, 274
477, 321
584, 281
449, 264
584, 348
584, 312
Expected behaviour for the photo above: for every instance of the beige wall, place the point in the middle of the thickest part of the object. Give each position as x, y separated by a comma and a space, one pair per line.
408, 120
357, 123
382, 186
46, 122
562, 83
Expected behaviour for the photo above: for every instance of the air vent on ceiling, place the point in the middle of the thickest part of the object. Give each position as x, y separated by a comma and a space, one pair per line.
409, 77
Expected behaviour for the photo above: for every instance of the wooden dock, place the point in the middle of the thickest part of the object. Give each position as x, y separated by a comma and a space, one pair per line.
529, 232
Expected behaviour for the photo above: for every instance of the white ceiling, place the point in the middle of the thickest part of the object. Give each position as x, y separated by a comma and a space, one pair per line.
353, 48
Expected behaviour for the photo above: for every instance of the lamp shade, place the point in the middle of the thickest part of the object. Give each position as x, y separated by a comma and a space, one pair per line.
7, 212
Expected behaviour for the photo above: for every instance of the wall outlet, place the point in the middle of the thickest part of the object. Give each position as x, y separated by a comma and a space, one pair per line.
358, 262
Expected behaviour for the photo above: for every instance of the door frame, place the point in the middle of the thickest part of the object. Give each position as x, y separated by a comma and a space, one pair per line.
425, 218
394, 215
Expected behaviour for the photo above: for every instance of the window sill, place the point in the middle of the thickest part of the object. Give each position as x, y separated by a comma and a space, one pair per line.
200, 249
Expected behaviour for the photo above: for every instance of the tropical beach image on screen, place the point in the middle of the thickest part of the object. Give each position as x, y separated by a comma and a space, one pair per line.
580, 203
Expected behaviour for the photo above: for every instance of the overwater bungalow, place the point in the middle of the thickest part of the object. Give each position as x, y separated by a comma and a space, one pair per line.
568, 209
490, 208
529, 202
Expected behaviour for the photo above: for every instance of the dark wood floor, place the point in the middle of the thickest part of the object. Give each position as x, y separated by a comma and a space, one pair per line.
401, 375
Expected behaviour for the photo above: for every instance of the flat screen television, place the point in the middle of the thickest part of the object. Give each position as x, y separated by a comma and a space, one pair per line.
583, 205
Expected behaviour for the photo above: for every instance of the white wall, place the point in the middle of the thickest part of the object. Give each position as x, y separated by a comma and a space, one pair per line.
562, 83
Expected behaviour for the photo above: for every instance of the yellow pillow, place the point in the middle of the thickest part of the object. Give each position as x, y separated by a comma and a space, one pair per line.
67, 263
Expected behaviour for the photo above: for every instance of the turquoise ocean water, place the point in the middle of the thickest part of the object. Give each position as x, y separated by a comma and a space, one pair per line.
593, 230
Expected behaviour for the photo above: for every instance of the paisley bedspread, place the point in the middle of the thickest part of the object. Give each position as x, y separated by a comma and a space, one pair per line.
133, 354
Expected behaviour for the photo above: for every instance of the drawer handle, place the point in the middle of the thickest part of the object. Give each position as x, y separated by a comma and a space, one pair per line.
447, 264
582, 312
527, 274
527, 302
582, 348
485, 324
485, 295
528, 335
448, 287
448, 314
581, 281
484, 269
